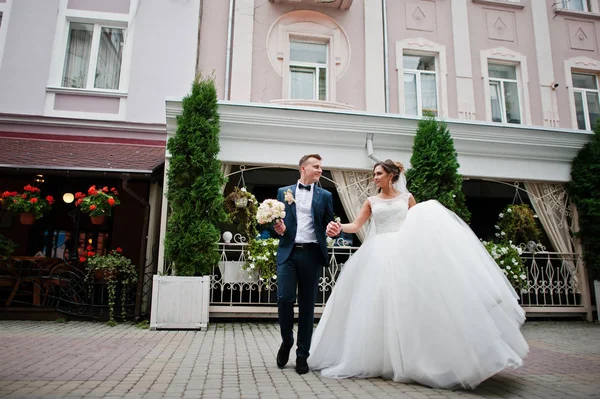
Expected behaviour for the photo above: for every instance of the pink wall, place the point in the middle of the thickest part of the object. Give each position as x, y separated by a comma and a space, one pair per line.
67, 102
439, 26
566, 45
118, 6
266, 83
519, 28
213, 42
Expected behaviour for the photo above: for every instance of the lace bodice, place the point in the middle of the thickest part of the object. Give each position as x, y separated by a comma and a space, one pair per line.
388, 214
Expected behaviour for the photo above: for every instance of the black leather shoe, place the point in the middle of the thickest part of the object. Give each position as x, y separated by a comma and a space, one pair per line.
283, 355
301, 365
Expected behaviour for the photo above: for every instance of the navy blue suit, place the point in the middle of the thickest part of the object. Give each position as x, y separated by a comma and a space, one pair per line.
299, 267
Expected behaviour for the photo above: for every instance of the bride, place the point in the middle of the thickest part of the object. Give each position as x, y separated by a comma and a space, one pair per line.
420, 301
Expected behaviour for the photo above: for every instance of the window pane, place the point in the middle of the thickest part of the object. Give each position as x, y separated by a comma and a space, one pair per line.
323, 84
574, 5
308, 52
420, 62
77, 59
410, 94
584, 81
303, 83
511, 91
110, 53
593, 109
502, 71
579, 110
428, 93
495, 101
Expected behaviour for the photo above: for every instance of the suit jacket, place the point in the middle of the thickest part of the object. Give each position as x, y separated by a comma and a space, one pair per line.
322, 214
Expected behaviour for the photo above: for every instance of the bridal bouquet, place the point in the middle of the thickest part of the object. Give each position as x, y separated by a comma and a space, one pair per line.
269, 211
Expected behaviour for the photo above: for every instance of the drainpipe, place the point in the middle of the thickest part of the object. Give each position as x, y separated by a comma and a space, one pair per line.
229, 50
386, 71
142, 264
370, 152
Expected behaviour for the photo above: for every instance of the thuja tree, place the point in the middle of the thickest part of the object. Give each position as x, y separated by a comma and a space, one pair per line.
584, 189
194, 185
434, 167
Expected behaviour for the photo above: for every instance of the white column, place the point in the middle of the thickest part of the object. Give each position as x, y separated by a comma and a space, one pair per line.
374, 68
163, 221
545, 66
462, 60
241, 62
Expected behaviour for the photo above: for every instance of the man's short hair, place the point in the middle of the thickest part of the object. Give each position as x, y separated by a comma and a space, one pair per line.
306, 158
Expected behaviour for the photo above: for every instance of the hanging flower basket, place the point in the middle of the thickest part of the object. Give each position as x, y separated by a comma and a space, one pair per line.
98, 219
29, 203
27, 218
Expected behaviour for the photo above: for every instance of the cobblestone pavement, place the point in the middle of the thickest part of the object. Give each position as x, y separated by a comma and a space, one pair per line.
237, 360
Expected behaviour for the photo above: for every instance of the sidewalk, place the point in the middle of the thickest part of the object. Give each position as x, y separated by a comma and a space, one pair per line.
237, 360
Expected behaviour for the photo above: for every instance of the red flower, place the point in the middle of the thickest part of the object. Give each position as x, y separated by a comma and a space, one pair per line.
78, 202
33, 200
50, 199
82, 259
89, 247
112, 189
90, 253
111, 201
92, 190
92, 207
28, 188
24, 196
79, 194
105, 189
119, 249
6, 194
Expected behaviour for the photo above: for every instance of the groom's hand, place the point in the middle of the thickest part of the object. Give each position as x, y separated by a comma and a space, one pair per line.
279, 227
333, 229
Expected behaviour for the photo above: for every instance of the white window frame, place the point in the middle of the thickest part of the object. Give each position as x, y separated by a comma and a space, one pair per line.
418, 74
5, 12
583, 93
501, 82
312, 65
583, 65
421, 46
61, 37
95, 48
505, 56
567, 3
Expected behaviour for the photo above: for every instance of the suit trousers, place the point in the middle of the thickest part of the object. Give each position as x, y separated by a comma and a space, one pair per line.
302, 271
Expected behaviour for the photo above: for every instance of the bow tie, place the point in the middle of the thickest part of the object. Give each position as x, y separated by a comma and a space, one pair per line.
303, 187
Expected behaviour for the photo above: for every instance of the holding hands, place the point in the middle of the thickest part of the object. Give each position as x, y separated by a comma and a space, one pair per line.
333, 229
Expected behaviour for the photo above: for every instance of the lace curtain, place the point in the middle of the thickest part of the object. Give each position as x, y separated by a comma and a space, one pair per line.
354, 188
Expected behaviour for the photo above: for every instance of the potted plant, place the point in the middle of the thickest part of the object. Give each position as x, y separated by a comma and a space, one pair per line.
508, 258
241, 205
29, 204
112, 268
262, 259
98, 203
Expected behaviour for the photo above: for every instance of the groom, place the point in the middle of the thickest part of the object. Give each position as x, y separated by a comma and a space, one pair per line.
301, 253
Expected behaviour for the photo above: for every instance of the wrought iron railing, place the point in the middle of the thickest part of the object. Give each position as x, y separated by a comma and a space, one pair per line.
553, 280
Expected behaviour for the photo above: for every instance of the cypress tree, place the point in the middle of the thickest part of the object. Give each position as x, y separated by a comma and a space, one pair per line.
194, 184
434, 167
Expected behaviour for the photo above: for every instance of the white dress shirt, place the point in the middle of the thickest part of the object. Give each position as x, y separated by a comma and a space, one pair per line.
305, 230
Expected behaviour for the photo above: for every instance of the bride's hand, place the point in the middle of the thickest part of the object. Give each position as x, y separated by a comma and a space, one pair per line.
333, 229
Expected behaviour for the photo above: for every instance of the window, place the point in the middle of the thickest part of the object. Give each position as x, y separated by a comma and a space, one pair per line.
93, 58
587, 101
420, 87
504, 93
577, 5
308, 71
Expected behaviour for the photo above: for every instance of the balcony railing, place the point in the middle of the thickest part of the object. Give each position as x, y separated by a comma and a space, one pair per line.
554, 283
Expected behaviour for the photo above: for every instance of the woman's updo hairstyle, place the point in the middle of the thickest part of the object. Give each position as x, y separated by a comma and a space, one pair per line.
394, 168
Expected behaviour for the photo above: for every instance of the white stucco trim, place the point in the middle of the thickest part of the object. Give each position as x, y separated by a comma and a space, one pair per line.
578, 64
242, 55
61, 36
465, 94
374, 58
5, 11
507, 56
419, 45
545, 63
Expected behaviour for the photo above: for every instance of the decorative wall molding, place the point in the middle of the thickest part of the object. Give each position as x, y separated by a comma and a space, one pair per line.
421, 16
582, 35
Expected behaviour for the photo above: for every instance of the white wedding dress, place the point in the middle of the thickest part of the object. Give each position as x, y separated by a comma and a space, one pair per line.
420, 301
